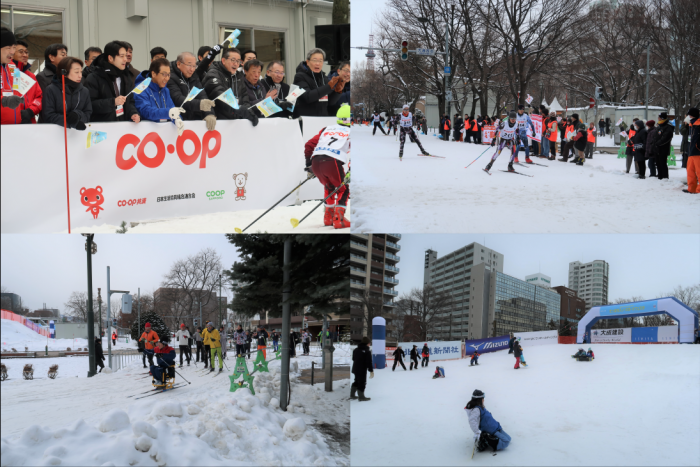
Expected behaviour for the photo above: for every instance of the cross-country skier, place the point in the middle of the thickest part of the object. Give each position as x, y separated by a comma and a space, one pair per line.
164, 361
523, 122
398, 358
425, 353
407, 129
506, 134
377, 119
326, 154
414, 357
487, 431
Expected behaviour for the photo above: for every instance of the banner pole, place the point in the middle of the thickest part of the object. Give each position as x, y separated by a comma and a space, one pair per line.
65, 139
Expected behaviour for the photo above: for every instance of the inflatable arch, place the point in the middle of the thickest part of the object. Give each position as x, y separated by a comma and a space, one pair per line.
687, 317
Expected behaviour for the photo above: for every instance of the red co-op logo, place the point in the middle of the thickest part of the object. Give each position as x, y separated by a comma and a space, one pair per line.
155, 161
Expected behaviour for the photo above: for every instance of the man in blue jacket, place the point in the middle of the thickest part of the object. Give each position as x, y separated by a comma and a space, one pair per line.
154, 103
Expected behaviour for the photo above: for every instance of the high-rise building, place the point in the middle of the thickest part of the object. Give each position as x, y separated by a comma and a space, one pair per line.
501, 304
452, 274
590, 281
540, 279
373, 275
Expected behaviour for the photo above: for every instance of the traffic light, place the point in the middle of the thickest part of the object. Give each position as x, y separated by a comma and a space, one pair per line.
195, 323
404, 50
114, 322
598, 92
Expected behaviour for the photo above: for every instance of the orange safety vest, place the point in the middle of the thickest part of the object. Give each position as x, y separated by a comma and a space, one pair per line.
630, 135
569, 131
591, 137
447, 122
475, 127
553, 131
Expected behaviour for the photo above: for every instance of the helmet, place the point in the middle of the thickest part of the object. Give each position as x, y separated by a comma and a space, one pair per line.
343, 115
512, 114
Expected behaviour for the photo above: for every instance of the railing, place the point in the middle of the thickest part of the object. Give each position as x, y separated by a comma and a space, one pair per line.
391, 292
362, 245
390, 279
395, 235
394, 257
393, 245
6, 314
353, 255
357, 270
353, 281
389, 267
389, 303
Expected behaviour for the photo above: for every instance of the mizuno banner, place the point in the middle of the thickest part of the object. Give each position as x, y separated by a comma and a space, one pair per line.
492, 344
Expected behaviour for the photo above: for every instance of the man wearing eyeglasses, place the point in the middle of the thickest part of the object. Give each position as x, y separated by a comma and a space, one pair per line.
27, 111
225, 75
154, 103
182, 79
274, 82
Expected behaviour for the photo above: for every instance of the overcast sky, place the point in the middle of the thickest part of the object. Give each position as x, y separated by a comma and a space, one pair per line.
48, 268
363, 13
640, 265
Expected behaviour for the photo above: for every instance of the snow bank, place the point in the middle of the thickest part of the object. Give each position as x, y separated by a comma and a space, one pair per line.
558, 411
276, 221
421, 194
91, 422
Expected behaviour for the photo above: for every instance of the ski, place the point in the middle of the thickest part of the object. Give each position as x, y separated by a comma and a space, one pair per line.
535, 163
474, 449
486, 171
160, 391
519, 173
430, 155
520, 164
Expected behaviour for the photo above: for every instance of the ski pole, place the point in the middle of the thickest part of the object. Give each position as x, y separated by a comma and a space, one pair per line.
478, 157
237, 230
173, 369
295, 223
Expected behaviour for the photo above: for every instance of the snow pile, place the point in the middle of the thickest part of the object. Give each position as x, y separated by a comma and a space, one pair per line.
423, 194
276, 221
558, 411
93, 423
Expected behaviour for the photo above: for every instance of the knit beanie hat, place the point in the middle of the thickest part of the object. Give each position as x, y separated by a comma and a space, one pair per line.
7, 38
650, 123
694, 112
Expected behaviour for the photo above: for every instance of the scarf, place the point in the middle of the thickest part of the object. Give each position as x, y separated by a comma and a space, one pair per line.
72, 85
662, 121
50, 66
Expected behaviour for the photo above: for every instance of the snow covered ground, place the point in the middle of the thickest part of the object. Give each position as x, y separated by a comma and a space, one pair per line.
632, 405
18, 336
426, 194
79, 421
276, 221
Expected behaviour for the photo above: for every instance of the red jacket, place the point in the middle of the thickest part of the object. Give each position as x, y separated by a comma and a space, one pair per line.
32, 99
311, 145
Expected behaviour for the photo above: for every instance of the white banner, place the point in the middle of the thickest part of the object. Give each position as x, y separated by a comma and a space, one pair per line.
529, 339
537, 122
488, 133
667, 334
622, 335
145, 171
447, 350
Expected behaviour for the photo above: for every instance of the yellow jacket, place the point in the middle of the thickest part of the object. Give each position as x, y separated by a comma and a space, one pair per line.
211, 338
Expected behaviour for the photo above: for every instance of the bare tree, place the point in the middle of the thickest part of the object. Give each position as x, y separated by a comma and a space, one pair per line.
689, 295
189, 282
77, 306
427, 306
372, 305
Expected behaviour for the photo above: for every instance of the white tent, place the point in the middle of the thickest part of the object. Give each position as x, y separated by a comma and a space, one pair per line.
555, 106
544, 103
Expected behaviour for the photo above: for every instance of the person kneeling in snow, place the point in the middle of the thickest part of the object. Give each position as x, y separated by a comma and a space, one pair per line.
487, 431
474, 359
439, 372
164, 361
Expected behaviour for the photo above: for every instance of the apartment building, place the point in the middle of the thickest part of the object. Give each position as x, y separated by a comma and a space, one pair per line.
590, 281
373, 270
452, 274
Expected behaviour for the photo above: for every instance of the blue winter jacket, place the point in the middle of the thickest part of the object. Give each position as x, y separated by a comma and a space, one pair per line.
487, 423
162, 361
154, 102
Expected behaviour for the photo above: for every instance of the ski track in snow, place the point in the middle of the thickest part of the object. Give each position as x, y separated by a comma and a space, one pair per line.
423, 194
557, 411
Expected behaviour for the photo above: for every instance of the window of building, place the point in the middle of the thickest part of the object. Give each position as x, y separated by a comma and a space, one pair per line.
269, 45
39, 29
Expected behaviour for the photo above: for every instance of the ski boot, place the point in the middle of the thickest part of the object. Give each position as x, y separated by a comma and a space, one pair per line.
353, 391
528, 160
339, 221
220, 370
488, 166
328, 215
482, 445
510, 167
580, 162
211, 370
516, 159
362, 397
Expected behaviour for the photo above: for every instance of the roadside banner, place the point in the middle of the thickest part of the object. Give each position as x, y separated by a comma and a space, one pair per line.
488, 133
491, 344
529, 339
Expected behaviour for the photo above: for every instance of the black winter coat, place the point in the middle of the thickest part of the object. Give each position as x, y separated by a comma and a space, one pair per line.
362, 360
217, 81
46, 76
77, 100
102, 93
398, 354
580, 143
99, 354
414, 353
694, 147
262, 337
664, 135
256, 93
282, 94
651, 138
180, 87
640, 145
517, 350
316, 87
510, 343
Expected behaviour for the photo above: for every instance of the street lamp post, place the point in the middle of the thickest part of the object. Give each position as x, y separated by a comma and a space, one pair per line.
91, 249
109, 322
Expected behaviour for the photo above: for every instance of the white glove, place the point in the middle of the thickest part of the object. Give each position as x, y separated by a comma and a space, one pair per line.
175, 112
180, 126
210, 120
205, 105
371, 375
